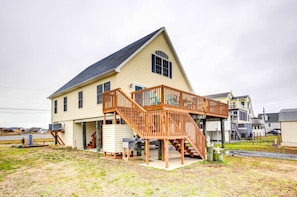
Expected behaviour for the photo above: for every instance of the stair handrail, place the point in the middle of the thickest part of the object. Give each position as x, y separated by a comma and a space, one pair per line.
198, 140
140, 120
125, 106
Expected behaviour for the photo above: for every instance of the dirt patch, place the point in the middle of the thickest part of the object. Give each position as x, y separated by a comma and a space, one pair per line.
54, 172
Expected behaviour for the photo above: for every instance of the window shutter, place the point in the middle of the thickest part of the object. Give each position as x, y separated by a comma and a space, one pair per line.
153, 64
170, 70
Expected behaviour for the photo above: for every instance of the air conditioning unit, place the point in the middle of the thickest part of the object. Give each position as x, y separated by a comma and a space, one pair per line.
55, 127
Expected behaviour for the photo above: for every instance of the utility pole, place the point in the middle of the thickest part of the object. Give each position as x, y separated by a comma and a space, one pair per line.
264, 119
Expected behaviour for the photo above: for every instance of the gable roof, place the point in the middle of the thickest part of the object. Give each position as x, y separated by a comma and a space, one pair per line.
110, 64
272, 117
288, 115
220, 95
241, 97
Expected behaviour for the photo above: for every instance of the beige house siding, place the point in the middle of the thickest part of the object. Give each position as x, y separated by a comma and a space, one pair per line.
289, 133
67, 137
90, 107
136, 70
73, 134
77, 136
139, 69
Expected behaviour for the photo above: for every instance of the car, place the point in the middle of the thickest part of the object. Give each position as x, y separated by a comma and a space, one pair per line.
274, 132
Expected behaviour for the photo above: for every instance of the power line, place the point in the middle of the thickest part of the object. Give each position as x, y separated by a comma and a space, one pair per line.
24, 113
20, 88
25, 109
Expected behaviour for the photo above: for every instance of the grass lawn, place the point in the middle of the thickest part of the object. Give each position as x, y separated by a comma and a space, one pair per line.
50, 171
263, 145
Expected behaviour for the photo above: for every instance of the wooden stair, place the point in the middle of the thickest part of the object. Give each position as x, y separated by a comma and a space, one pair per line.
92, 143
235, 132
157, 124
189, 150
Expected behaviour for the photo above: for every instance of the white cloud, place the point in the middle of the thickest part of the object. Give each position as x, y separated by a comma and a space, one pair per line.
248, 47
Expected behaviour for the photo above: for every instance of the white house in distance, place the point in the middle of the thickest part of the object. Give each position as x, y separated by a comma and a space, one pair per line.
258, 127
288, 122
129, 93
271, 121
239, 122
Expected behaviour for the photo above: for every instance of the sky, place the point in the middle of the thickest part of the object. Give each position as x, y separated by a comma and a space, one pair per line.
247, 47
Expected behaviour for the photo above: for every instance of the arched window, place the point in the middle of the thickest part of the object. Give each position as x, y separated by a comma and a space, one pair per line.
161, 64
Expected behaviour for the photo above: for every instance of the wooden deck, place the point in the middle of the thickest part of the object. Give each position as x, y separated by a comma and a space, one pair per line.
163, 113
163, 97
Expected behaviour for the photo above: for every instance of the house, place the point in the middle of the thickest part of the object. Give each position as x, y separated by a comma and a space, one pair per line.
288, 125
130, 93
258, 127
239, 122
271, 121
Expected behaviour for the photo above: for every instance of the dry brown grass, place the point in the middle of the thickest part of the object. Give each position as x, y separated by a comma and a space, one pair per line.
66, 172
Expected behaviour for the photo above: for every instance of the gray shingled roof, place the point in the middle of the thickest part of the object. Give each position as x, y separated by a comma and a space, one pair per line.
239, 97
272, 117
106, 65
288, 115
221, 95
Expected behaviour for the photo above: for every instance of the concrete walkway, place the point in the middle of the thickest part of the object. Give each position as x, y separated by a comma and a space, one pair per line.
174, 160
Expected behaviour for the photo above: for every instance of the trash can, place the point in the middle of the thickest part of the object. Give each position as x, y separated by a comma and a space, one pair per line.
128, 147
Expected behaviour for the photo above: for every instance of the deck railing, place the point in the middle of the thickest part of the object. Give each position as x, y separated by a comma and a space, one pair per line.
131, 112
155, 124
185, 125
162, 96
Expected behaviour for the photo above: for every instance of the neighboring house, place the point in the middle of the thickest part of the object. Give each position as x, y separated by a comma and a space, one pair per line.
288, 124
239, 123
129, 93
258, 127
271, 121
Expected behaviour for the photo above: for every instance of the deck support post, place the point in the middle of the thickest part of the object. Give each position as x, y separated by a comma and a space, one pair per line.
204, 126
147, 151
160, 152
114, 118
182, 151
223, 132
162, 145
84, 134
166, 147
99, 135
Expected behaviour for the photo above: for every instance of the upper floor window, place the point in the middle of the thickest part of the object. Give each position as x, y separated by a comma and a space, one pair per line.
65, 103
243, 116
161, 64
80, 99
55, 106
242, 103
100, 89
